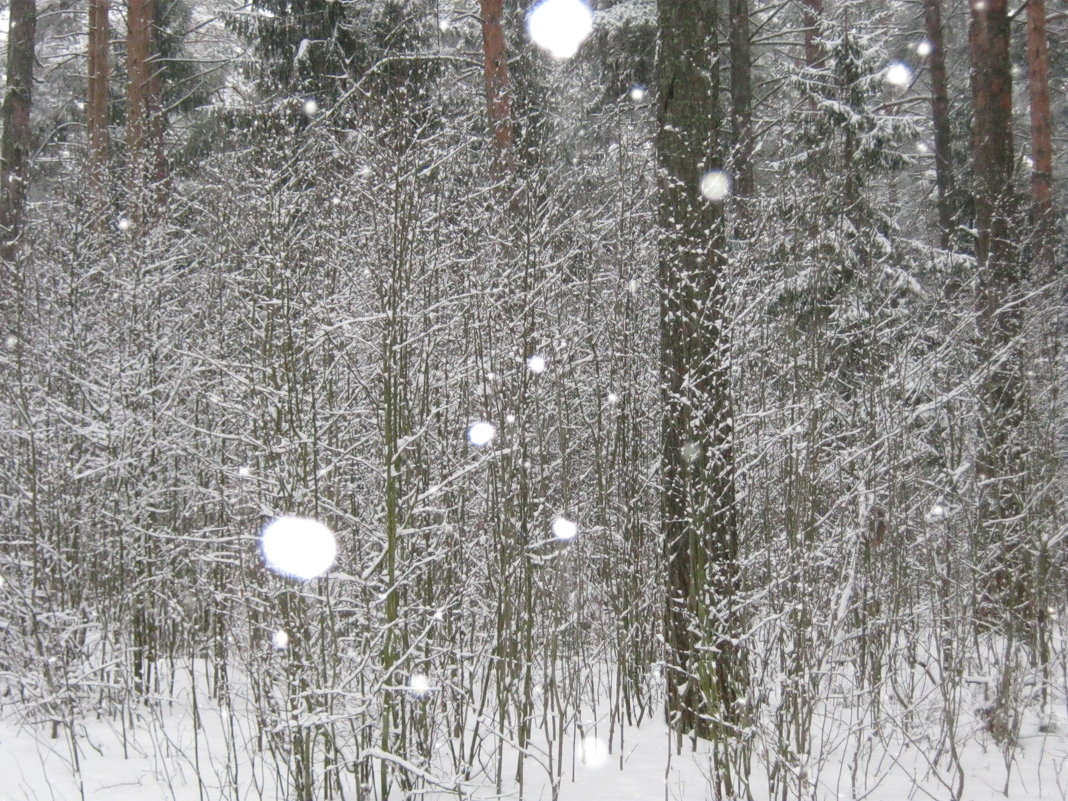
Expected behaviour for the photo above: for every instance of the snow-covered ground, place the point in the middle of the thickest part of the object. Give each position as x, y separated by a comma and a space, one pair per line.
160, 754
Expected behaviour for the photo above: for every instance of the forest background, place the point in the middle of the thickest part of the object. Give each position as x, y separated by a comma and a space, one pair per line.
772, 313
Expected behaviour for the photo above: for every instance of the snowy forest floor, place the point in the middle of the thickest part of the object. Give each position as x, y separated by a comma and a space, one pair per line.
155, 751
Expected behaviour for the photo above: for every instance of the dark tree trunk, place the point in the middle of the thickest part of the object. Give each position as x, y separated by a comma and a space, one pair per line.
812, 15
999, 462
144, 124
1041, 141
16, 143
936, 63
741, 99
498, 97
96, 107
698, 525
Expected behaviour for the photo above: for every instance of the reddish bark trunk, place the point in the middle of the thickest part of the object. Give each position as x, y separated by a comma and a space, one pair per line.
1041, 140
999, 462
17, 135
498, 98
812, 16
144, 124
96, 109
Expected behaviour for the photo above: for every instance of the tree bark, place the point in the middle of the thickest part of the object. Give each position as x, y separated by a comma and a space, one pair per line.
999, 469
943, 148
741, 99
698, 522
17, 135
1041, 142
144, 124
812, 15
498, 97
96, 107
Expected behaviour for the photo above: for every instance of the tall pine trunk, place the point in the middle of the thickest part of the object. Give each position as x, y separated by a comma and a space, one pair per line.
741, 99
17, 135
936, 63
498, 99
705, 677
999, 464
1041, 141
96, 107
144, 124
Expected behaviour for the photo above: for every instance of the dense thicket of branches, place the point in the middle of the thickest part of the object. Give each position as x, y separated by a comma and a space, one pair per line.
329, 294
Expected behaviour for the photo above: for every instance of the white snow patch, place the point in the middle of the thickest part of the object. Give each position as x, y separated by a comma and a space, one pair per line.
564, 529
715, 186
560, 26
298, 547
481, 433
898, 75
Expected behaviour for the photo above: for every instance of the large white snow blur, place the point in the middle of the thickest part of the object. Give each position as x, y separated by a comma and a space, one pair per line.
481, 433
593, 752
298, 547
564, 529
898, 75
715, 186
560, 26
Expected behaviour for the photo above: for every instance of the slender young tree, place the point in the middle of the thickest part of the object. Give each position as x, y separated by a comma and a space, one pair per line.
96, 107
16, 139
1041, 140
698, 523
936, 63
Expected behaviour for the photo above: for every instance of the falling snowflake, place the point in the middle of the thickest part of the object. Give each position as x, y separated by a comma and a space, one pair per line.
244, 472
280, 640
612, 398
592, 752
298, 547
898, 75
715, 185
564, 529
924, 49
637, 93
481, 433
124, 224
560, 26
536, 364
419, 685
311, 107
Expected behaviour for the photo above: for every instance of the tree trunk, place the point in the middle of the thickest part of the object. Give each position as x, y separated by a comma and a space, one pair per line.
1041, 141
936, 63
16, 142
697, 467
812, 15
741, 99
498, 98
144, 124
96, 109
999, 461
